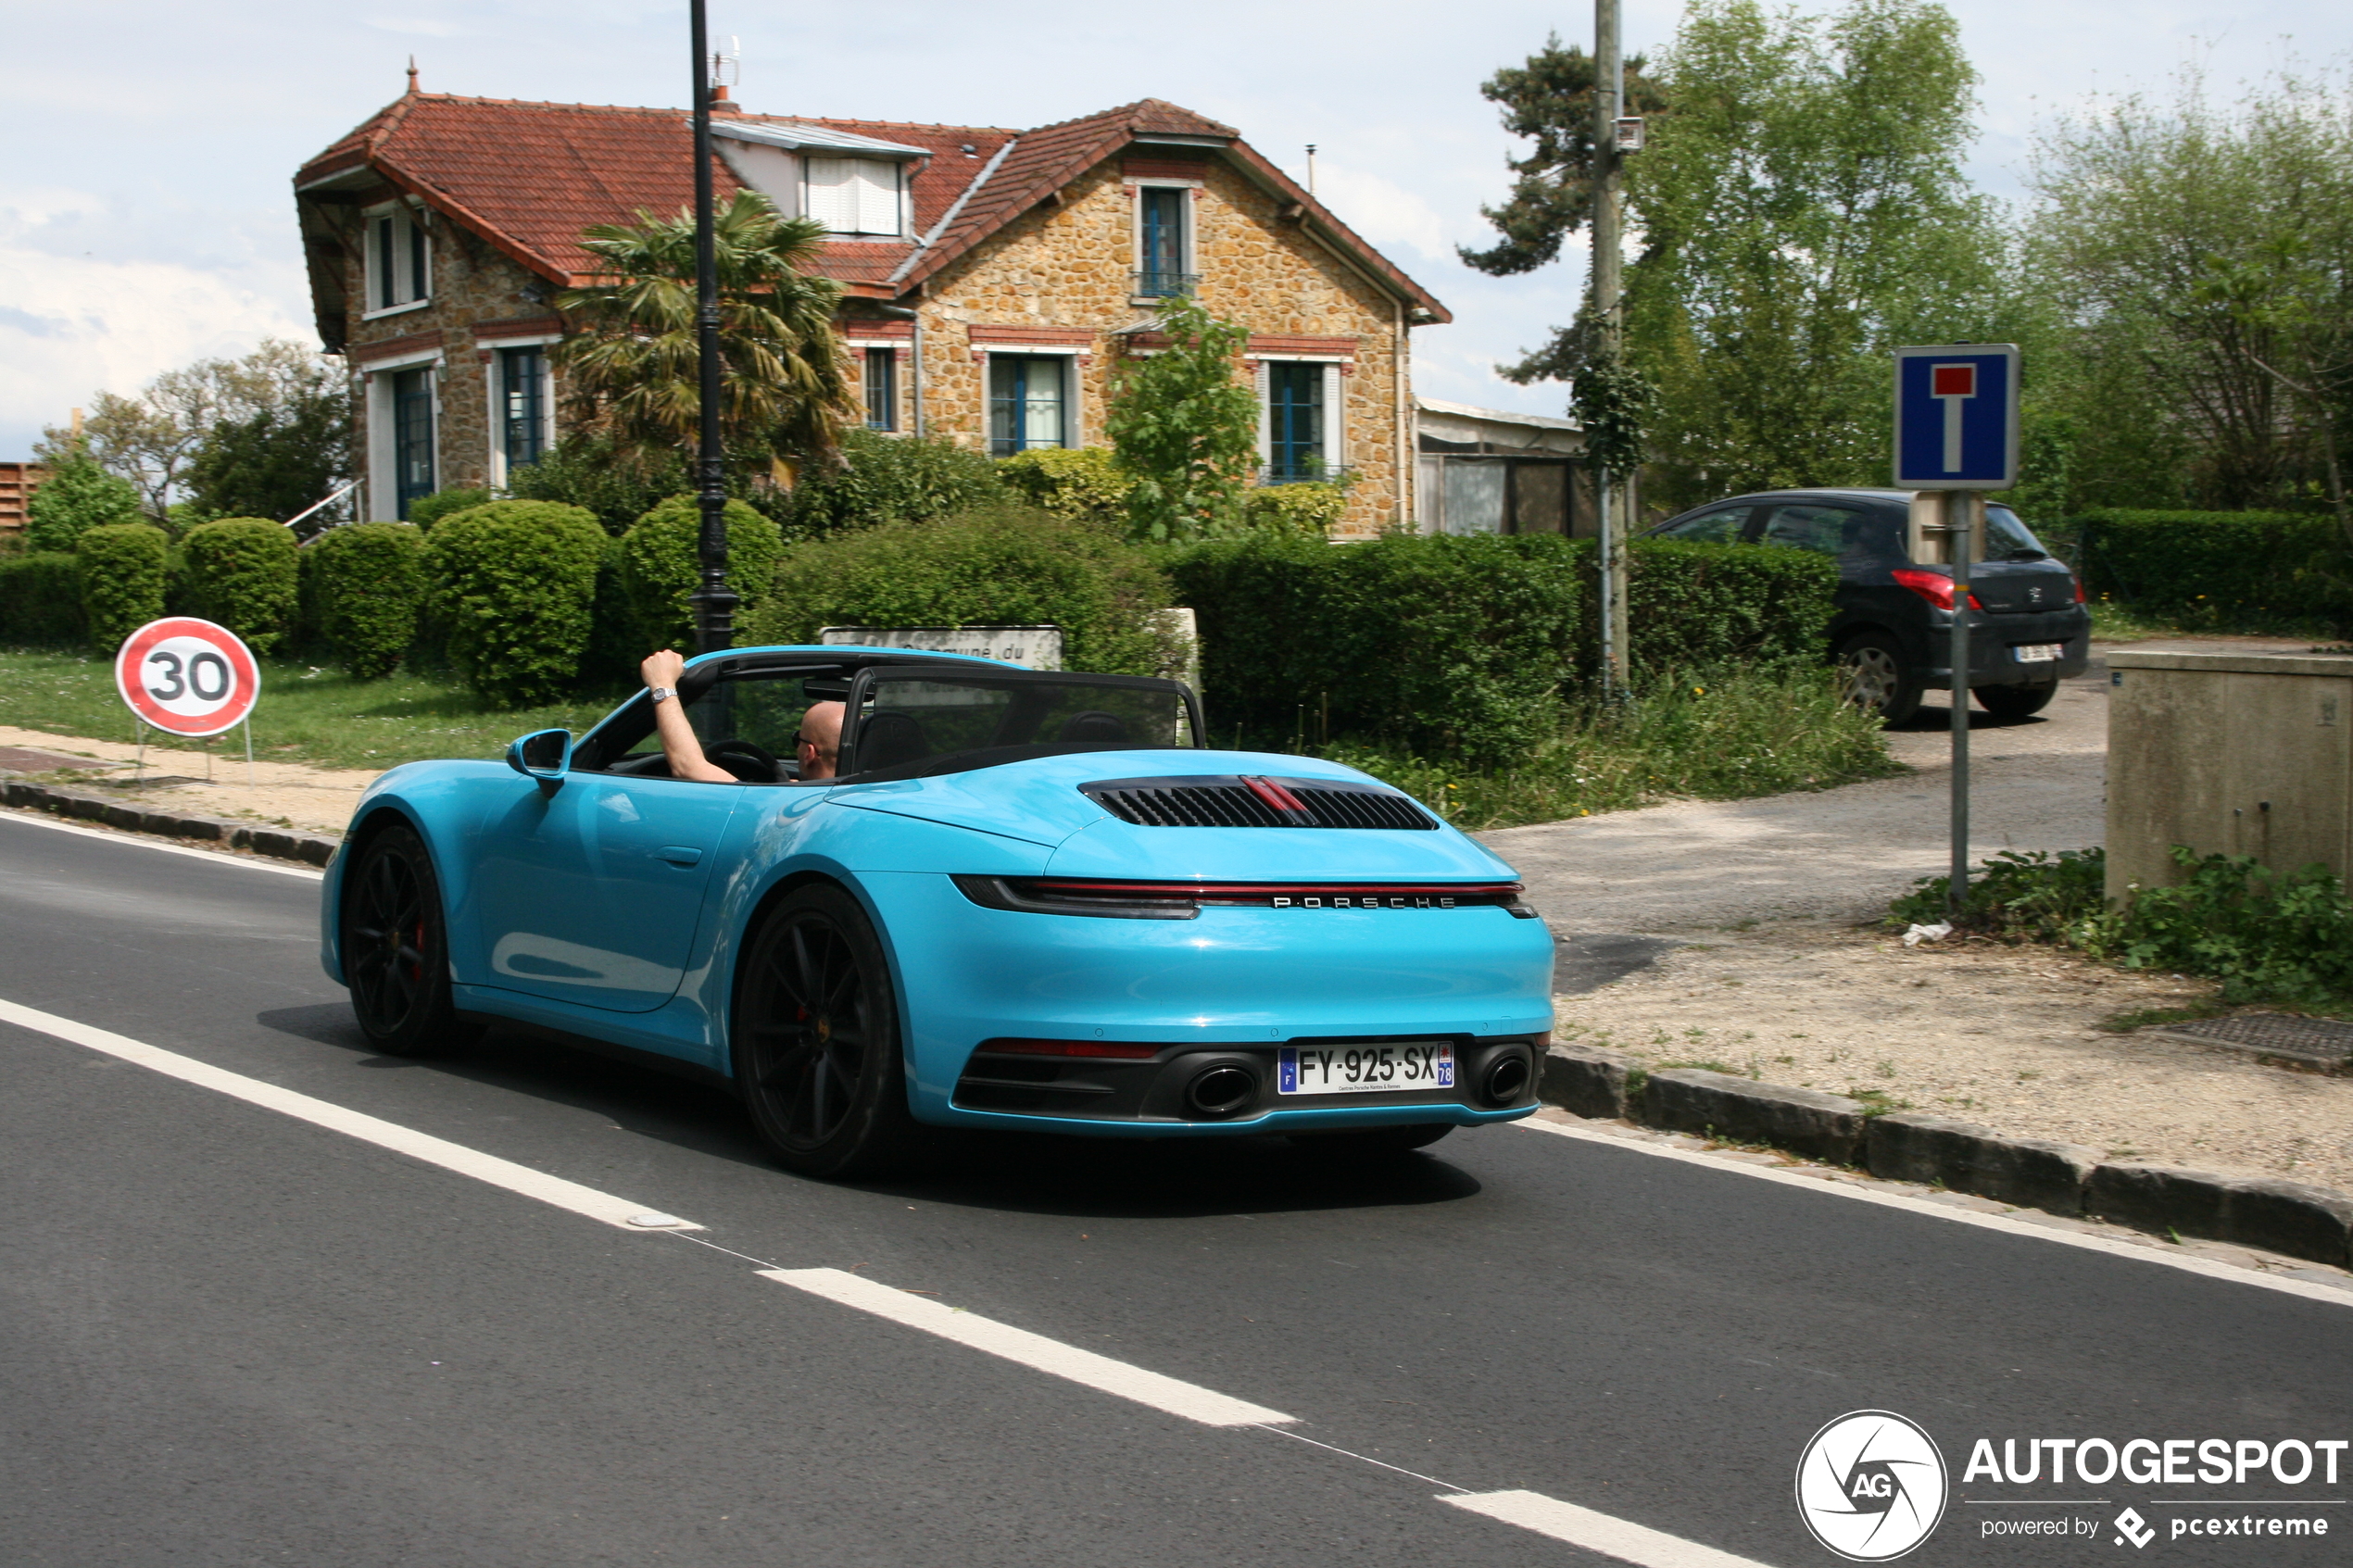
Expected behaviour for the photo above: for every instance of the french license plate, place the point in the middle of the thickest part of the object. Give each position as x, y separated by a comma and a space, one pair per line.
1395, 1067
2039, 653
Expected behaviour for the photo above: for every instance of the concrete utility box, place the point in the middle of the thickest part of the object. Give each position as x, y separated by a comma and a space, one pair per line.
2231, 754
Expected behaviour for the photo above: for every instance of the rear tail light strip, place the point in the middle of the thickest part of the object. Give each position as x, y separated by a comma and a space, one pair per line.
1935, 587
1183, 900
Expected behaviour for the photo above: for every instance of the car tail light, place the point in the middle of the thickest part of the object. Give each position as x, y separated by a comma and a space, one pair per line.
1116, 1050
2079, 588
1936, 588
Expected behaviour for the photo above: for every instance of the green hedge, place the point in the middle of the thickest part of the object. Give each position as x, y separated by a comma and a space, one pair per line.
513, 583
1309, 508
891, 479
122, 574
1465, 647
78, 496
1457, 646
426, 510
41, 600
2216, 566
368, 591
242, 573
1070, 481
661, 566
1006, 566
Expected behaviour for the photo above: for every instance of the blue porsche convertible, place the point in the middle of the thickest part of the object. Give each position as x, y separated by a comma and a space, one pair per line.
1026, 900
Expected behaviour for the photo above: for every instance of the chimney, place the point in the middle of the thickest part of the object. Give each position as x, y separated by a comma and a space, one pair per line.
721, 104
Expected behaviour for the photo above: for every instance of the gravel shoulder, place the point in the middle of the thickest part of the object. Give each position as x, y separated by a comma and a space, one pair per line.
1745, 935
284, 793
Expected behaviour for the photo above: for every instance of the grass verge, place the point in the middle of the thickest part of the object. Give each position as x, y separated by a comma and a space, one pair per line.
1729, 735
306, 714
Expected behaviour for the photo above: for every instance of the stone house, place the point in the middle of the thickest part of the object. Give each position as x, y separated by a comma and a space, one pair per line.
995, 279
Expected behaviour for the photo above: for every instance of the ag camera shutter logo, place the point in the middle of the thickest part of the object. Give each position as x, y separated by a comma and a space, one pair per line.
1871, 1485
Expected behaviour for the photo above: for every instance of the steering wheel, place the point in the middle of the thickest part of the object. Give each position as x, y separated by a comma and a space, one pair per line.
753, 764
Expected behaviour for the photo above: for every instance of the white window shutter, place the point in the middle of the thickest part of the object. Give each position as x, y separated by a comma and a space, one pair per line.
1335, 449
833, 194
1266, 415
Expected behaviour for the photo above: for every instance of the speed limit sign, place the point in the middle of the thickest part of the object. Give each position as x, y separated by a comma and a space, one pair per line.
187, 677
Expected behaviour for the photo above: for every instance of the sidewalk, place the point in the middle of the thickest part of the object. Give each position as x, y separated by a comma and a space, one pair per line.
287, 795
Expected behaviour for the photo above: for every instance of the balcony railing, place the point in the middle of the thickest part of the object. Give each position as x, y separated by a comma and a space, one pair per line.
1306, 470
1161, 285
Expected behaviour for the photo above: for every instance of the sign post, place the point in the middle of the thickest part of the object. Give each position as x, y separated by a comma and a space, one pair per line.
189, 677
1955, 434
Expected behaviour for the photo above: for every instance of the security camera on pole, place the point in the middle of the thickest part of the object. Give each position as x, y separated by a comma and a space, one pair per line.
1955, 439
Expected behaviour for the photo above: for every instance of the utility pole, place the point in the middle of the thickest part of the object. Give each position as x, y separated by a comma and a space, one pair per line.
714, 601
1609, 85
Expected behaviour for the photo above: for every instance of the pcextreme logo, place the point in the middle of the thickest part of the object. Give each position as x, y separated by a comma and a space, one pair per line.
1871, 1485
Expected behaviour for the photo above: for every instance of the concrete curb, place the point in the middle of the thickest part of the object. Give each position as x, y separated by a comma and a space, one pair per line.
278, 843
2059, 1178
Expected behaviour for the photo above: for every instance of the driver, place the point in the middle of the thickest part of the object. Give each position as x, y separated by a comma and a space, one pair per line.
818, 743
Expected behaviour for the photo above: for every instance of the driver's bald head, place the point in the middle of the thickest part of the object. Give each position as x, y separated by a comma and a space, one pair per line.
820, 740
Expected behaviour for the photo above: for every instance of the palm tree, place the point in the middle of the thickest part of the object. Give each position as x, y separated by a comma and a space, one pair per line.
631, 373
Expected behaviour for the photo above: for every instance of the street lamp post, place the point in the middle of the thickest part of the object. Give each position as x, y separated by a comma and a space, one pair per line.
714, 601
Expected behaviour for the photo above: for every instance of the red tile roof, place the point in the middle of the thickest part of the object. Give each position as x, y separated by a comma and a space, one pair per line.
530, 177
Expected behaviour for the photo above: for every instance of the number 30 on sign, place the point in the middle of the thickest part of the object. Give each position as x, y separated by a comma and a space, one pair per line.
187, 677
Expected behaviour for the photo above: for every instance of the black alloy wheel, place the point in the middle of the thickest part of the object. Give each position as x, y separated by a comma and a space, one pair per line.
396, 948
2017, 702
816, 1040
1374, 1143
1873, 674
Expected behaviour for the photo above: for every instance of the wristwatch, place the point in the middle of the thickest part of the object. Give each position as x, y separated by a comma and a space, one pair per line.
663, 694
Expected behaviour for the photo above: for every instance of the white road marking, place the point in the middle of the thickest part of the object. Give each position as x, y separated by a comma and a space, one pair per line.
1033, 1350
620, 1212
139, 841
1596, 1532
2206, 1267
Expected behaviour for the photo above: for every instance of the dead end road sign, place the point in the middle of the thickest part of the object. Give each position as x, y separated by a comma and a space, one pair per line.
187, 677
1957, 417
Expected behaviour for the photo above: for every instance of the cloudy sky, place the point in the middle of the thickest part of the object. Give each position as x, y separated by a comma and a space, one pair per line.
146, 147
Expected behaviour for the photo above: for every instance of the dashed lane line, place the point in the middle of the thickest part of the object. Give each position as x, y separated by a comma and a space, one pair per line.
424, 1146
1595, 1532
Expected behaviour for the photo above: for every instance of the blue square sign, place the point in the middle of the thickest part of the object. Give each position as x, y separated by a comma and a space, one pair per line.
1957, 417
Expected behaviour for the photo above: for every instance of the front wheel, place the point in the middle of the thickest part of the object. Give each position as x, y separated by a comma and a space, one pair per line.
816, 1040
1874, 674
396, 948
2017, 702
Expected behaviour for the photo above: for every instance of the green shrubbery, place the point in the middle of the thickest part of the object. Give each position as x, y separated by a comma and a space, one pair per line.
367, 590
122, 574
513, 582
426, 510
242, 573
660, 567
78, 496
1005, 565
41, 599
1700, 607
891, 479
1083, 482
1308, 509
2219, 569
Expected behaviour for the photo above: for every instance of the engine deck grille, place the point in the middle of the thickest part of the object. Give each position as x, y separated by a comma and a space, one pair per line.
1236, 800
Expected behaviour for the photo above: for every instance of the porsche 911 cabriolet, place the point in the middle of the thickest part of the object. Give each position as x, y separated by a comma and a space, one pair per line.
1027, 900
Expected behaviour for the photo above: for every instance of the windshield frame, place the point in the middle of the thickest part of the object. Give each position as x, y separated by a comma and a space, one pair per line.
862, 686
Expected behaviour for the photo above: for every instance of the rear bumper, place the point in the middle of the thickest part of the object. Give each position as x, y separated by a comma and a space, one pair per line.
1993, 642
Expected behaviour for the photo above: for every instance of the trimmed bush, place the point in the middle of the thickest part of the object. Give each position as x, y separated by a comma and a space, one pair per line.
513, 583
368, 589
122, 571
1085, 481
1698, 606
426, 510
660, 567
242, 573
891, 479
41, 600
2221, 568
78, 496
1307, 508
1006, 566
584, 471
1444, 646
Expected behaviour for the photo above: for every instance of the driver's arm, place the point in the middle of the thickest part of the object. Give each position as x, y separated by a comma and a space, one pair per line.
661, 671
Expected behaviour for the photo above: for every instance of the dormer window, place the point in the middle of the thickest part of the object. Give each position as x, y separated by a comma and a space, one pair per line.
854, 196
399, 263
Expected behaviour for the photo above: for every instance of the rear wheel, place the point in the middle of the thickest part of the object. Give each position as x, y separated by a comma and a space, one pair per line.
1873, 673
2017, 702
1374, 1143
396, 948
816, 1040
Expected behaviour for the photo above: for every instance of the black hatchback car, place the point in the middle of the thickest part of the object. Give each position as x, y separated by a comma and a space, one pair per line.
1893, 629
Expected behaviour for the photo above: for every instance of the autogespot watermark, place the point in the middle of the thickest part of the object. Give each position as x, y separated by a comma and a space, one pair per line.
1872, 1485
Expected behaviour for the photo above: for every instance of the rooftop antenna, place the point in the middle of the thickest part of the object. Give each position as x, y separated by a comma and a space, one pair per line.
412, 73
726, 69
1311, 169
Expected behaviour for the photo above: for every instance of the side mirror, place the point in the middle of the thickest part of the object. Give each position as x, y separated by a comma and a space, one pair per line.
544, 755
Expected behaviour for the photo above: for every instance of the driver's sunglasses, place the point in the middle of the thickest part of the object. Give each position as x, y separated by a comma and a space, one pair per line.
799, 740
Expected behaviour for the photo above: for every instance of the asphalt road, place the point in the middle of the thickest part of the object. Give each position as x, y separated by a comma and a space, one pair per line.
235, 1337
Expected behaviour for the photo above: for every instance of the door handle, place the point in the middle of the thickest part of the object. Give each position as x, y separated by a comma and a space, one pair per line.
678, 854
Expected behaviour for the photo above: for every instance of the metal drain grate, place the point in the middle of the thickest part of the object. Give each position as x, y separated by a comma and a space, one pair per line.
2272, 1033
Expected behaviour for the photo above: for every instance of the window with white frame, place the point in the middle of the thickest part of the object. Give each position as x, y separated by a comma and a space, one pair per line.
399, 260
1299, 421
854, 196
1164, 241
1030, 398
525, 427
880, 374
